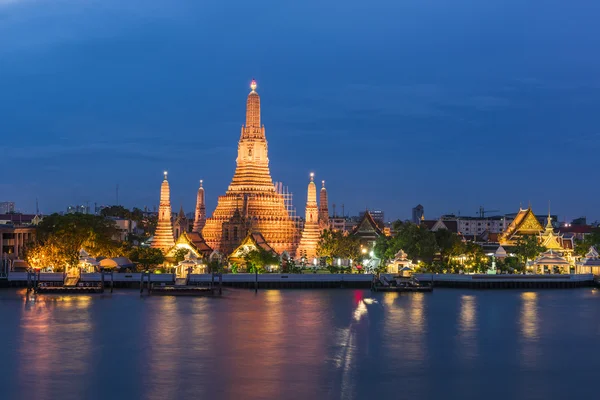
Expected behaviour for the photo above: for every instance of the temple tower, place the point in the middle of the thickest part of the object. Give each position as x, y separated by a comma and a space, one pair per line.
251, 202
200, 217
163, 237
311, 232
180, 224
323, 208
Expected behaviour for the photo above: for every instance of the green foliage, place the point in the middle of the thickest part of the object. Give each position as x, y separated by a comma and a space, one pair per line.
528, 248
591, 239
234, 268
66, 234
116, 211
147, 257
334, 244
259, 259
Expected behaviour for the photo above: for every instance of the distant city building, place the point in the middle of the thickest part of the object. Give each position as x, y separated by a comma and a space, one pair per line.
16, 232
418, 214
7, 207
341, 224
82, 209
125, 227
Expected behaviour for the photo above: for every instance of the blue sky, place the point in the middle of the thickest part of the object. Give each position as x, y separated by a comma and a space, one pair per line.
393, 102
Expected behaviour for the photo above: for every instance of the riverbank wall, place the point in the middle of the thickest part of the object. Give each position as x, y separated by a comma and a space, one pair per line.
314, 281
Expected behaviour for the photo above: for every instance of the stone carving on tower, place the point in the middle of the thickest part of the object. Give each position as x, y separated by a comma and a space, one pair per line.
251, 202
200, 217
163, 236
323, 208
311, 233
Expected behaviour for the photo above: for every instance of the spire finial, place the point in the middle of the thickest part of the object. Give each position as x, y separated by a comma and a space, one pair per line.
165, 173
312, 176
323, 182
201, 182
253, 85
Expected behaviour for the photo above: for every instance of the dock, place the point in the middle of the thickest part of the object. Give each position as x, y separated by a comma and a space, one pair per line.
316, 281
509, 281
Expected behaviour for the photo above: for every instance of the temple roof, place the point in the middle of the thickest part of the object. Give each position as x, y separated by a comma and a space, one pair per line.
192, 241
367, 225
252, 241
550, 258
525, 223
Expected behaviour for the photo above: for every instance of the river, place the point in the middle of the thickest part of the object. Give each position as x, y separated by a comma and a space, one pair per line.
302, 344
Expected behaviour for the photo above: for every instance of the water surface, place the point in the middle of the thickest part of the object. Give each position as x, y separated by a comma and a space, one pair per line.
302, 344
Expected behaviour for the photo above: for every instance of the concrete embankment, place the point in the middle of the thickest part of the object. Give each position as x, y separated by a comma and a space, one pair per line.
284, 281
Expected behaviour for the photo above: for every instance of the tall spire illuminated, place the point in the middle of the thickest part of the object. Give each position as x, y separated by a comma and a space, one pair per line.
200, 217
264, 209
311, 232
323, 208
253, 108
163, 237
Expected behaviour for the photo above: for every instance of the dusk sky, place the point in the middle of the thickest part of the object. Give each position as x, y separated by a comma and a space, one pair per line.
451, 104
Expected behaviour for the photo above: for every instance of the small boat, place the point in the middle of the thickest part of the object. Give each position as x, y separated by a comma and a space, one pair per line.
401, 284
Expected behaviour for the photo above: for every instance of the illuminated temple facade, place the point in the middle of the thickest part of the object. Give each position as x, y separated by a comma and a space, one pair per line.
163, 237
311, 232
251, 203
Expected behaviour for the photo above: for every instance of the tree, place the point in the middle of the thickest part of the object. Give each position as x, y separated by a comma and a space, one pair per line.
417, 241
528, 248
147, 257
258, 259
591, 239
334, 244
65, 235
116, 211
449, 245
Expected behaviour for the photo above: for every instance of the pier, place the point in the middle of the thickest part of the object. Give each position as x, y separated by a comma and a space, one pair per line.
314, 281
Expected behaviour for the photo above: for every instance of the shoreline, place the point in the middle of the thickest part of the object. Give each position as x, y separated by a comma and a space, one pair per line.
322, 281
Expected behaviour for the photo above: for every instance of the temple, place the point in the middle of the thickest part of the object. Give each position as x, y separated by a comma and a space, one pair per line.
251, 203
526, 223
323, 208
311, 233
163, 237
200, 216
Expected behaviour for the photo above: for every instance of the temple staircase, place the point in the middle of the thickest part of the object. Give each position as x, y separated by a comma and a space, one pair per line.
71, 281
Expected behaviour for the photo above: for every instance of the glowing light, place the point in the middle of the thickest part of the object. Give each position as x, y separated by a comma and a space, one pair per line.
253, 85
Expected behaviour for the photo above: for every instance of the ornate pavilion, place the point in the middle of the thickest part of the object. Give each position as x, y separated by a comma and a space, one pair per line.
526, 223
251, 203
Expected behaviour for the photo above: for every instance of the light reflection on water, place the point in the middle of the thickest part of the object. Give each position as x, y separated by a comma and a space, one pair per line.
299, 344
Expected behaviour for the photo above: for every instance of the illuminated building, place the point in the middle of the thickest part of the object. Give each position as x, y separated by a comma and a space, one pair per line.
590, 264
163, 237
323, 208
312, 231
193, 242
200, 217
251, 203
526, 223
